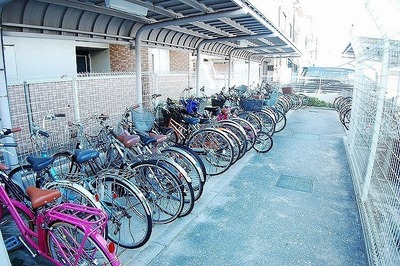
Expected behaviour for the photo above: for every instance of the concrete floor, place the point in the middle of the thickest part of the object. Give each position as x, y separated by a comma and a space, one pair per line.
294, 205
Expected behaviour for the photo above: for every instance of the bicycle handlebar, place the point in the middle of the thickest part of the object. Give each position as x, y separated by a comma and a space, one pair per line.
43, 133
8, 145
8, 131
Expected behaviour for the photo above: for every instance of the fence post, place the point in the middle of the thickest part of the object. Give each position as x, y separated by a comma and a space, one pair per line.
76, 100
28, 106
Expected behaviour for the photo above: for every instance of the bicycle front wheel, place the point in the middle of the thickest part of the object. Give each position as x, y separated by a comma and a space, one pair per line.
130, 223
69, 245
263, 142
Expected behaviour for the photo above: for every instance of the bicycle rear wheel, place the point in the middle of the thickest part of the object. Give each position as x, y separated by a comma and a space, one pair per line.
9, 228
188, 163
161, 188
215, 149
251, 133
69, 245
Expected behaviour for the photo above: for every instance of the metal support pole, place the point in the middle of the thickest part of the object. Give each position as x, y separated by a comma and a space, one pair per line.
5, 114
230, 69
248, 70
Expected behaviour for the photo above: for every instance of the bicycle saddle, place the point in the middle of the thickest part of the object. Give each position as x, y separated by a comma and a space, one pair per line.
40, 197
159, 138
146, 139
4, 167
128, 140
39, 164
215, 110
85, 155
191, 120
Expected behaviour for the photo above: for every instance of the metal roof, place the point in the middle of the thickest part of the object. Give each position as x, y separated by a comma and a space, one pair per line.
235, 25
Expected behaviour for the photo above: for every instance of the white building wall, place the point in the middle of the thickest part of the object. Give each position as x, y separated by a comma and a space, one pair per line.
32, 57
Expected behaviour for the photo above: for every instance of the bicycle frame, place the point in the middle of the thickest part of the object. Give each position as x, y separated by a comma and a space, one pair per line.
38, 239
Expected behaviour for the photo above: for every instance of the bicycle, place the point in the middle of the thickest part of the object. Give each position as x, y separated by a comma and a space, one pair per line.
66, 234
162, 190
212, 145
124, 204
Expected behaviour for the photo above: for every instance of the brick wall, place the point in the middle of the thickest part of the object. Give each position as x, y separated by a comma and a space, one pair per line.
122, 58
179, 61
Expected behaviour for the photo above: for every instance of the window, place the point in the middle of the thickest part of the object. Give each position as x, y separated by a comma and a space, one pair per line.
90, 59
270, 68
82, 61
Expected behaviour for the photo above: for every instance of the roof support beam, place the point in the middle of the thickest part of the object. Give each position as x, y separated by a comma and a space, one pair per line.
158, 25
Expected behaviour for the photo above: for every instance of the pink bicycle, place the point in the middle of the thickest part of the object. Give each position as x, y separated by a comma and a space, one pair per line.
66, 234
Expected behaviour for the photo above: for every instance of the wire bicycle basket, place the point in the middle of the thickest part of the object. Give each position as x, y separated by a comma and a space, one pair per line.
143, 119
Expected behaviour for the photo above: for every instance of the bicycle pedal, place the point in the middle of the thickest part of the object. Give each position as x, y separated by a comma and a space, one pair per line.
12, 243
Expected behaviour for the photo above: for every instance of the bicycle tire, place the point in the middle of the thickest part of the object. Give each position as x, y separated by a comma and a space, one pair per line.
239, 132
196, 157
161, 188
130, 223
268, 122
189, 164
281, 121
251, 133
214, 147
24, 177
252, 118
73, 193
67, 239
264, 142
185, 181
235, 141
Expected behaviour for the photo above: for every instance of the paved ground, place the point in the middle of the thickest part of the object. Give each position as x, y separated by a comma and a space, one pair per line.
292, 206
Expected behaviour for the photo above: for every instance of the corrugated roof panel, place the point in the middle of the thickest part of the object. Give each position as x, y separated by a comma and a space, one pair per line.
93, 16
54, 16
125, 27
33, 13
101, 23
87, 21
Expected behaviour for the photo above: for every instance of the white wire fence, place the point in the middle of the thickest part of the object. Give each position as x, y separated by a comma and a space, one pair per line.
373, 145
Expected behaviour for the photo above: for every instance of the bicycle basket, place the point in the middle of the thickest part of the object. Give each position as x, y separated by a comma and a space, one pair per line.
143, 120
272, 100
251, 104
218, 102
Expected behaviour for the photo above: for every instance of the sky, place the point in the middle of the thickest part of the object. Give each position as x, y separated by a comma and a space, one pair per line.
333, 21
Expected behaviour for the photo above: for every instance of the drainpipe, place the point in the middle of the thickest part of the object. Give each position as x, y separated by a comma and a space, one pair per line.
5, 114
175, 22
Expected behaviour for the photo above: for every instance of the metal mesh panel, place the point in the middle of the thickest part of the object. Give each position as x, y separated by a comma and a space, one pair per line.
374, 145
78, 98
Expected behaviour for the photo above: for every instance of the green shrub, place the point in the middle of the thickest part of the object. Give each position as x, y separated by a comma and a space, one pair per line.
314, 101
